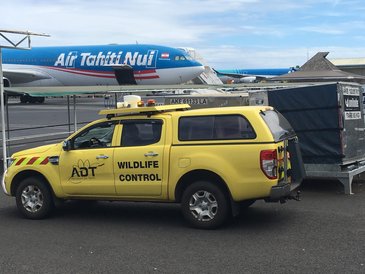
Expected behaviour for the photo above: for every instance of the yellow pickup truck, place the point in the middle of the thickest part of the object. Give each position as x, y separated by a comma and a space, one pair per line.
209, 160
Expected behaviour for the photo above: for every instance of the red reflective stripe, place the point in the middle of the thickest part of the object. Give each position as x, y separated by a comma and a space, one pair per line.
147, 77
20, 161
45, 161
144, 71
31, 161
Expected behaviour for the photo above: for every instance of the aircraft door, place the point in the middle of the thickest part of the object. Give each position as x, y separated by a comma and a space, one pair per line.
151, 58
70, 61
124, 75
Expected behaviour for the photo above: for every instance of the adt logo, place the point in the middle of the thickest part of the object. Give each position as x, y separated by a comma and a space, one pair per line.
83, 170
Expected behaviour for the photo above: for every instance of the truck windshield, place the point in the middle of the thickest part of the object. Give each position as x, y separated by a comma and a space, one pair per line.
279, 126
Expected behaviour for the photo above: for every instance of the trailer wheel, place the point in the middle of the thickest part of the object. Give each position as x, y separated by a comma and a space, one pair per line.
34, 198
205, 205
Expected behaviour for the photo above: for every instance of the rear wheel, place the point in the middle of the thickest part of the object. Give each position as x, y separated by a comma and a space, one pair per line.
34, 199
205, 205
24, 99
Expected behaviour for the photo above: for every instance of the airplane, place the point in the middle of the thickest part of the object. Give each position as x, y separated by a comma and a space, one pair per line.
250, 75
106, 65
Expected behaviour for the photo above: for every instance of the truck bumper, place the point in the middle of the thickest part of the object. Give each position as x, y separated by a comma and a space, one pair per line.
3, 183
282, 192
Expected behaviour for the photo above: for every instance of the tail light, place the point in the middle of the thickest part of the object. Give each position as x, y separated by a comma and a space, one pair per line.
269, 163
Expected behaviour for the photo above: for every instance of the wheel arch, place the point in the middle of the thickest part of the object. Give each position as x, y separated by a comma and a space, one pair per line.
197, 175
26, 174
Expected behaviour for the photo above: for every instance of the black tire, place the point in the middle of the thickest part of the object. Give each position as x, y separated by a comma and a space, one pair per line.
40, 100
205, 205
34, 198
32, 99
24, 99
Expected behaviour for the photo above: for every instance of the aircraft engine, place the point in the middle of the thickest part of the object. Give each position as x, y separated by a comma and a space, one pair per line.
248, 79
6, 82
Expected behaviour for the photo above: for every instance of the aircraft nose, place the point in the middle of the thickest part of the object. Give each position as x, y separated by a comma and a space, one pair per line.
191, 72
197, 70
200, 69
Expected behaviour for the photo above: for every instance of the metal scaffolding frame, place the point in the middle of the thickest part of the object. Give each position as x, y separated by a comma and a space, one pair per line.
12, 39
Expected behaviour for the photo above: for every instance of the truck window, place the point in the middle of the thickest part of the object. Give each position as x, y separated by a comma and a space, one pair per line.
96, 136
215, 127
141, 132
278, 125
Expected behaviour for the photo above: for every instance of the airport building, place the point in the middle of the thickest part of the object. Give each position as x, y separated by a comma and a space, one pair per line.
351, 65
320, 69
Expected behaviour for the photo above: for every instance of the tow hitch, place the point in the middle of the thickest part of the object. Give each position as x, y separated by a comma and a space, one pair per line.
295, 197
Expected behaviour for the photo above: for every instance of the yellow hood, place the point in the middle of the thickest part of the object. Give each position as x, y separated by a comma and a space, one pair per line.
36, 150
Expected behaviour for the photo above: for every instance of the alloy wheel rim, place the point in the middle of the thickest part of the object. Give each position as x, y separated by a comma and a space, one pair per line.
32, 198
203, 205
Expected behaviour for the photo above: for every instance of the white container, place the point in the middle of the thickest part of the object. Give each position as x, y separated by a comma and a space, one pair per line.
132, 100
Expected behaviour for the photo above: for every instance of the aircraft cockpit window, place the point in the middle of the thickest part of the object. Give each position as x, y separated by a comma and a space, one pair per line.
180, 58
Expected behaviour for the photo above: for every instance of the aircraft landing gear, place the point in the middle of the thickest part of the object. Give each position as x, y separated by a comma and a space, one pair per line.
25, 98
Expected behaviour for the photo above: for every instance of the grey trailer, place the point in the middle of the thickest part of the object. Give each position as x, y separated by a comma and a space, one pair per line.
329, 122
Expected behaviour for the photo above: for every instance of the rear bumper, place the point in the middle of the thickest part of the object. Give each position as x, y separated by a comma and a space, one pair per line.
285, 190
282, 191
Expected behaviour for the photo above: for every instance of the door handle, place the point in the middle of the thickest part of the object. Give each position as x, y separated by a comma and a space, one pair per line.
151, 154
102, 157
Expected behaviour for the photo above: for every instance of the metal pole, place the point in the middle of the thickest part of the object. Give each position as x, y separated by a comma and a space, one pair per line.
68, 114
5, 166
75, 116
6, 102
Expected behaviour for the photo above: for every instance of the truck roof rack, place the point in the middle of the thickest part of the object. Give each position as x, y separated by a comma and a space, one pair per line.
142, 110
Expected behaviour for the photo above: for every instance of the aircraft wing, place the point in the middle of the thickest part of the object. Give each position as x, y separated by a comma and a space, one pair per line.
233, 75
240, 75
21, 76
127, 89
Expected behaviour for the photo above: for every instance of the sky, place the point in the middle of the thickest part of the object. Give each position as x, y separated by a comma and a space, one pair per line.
226, 33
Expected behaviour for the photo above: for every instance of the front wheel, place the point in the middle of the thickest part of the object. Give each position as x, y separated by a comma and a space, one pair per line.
34, 199
205, 205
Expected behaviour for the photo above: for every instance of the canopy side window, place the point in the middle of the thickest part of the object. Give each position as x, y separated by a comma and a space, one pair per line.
141, 132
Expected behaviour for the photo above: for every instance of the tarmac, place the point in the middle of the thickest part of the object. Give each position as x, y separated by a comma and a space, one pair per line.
323, 233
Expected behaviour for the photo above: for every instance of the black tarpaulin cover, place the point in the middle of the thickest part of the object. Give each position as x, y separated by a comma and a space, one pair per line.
313, 112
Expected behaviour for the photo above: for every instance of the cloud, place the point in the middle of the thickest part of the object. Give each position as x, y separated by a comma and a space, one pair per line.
242, 33
324, 29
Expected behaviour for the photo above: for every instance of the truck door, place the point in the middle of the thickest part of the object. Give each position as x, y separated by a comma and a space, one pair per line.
138, 162
86, 168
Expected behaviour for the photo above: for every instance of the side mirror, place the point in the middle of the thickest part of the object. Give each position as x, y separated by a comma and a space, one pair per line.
67, 145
